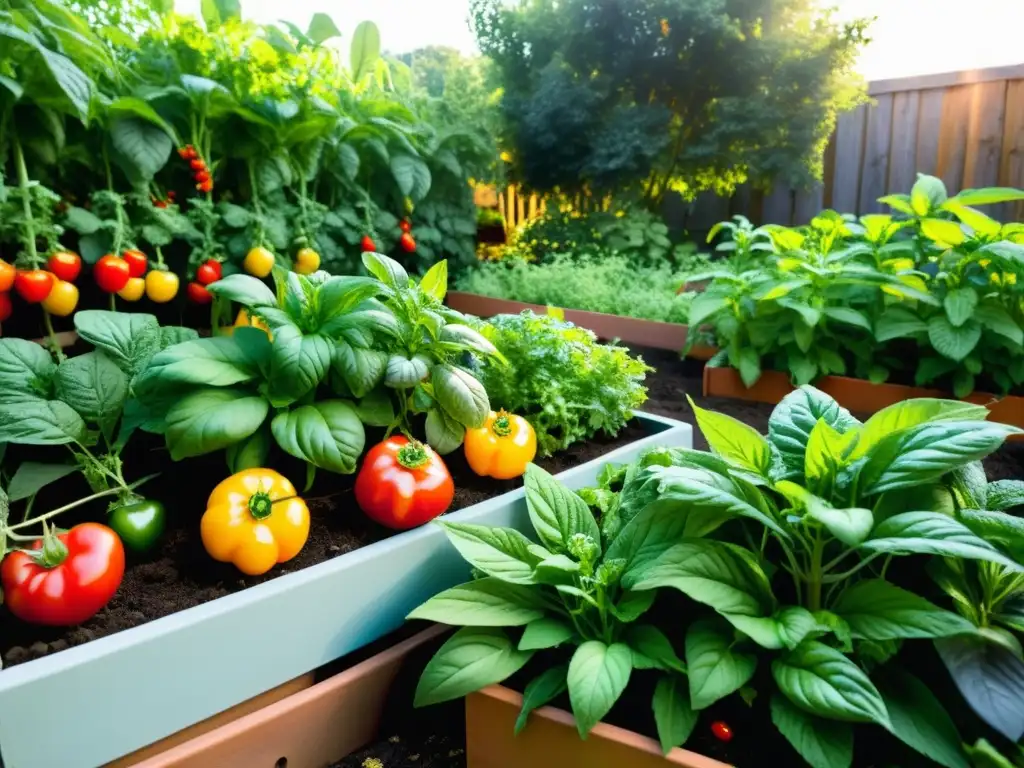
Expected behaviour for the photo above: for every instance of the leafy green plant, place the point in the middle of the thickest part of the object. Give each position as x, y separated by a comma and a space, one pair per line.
559, 378
822, 505
599, 283
560, 599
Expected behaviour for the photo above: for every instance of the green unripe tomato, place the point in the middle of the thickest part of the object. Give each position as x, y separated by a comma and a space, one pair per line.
139, 525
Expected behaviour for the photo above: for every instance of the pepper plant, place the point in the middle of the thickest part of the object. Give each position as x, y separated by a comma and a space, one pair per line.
561, 599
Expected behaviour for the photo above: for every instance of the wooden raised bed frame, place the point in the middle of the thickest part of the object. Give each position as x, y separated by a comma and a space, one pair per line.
171, 673
629, 330
856, 395
550, 739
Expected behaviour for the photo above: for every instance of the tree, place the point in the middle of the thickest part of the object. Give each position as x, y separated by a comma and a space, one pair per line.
647, 96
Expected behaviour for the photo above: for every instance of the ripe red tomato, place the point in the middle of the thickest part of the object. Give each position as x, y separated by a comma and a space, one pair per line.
198, 294
6, 276
205, 186
80, 572
403, 484
111, 273
65, 265
405, 226
137, 262
722, 731
407, 243
33, 285
367, 244
209, 272
198, 164
202, 176
5, 306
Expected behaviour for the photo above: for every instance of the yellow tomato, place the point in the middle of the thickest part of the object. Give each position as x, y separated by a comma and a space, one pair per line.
133, 289
62, 300
161, 286
307, 261
254, 520
502, 447
244, 319
258, 262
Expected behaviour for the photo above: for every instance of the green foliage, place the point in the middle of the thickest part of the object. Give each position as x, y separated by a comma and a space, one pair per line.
665, 95
609, 284
918, 296
560, 379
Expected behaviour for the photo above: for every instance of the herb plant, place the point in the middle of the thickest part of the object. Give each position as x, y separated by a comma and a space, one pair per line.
560, 379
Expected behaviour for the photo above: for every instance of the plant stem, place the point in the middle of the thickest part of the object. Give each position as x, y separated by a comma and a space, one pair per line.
814, 579
113, 303
847, 574
23, 186
54, 512
52, 335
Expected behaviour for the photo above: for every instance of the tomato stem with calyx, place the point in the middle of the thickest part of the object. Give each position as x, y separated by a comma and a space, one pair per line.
413, 455
52, 553
26, 202
502, 426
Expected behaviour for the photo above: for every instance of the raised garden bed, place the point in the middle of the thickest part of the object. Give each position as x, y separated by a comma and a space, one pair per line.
628, 330
856, 395
167, 639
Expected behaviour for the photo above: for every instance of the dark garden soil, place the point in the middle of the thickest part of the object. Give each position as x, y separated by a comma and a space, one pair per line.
179, 574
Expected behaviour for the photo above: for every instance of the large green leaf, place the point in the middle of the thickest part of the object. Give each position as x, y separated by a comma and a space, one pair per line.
386, 269
471, 659
364, 51
129, 339
1005, 494
714, 669
539, 691
911, 413
991, 679
959, 304
545, 632
145, 147
733, 440
918, 719
460, 394
322, 28
652, 650
245, 290
327, 434
988, 195
822, 743
924, 453
362, 369
444, 434
95, 387
851, 526
298, 363
793, 419
404, 372
41, 422
598, 674
673, 716
26, 371
557, 513
898, 322
500, 552
220, 361
878, 610
212, 419
31, 476
927, 194
412, 176
822, 681
932, 533
951, 341
1000, 322
486, 602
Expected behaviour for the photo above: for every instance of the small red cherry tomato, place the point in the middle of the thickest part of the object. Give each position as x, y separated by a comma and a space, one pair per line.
721, 731
137, 262
202, 176
73, 575
198, 164
5, 306
198, 294
367, 245
33, 285
7, 273
407, 242
111, 273
405, 226
403, 484
209, 272
65, 265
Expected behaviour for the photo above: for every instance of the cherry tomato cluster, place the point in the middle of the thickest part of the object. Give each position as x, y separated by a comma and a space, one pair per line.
209, 271
406, 241
201, 174
52, 287
158, 203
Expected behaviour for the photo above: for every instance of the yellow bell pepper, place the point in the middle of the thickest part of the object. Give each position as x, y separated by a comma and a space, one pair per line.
502, 447
254, 520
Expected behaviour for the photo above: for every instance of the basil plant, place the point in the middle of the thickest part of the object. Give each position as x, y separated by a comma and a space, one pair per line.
822, 506
561, 599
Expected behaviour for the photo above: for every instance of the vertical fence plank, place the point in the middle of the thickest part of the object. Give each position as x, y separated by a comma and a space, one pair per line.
985, 140
849, 148
1011, 166
808, 204
876, 154
778, 206
956, 109
929, 122
707, 210
902, 143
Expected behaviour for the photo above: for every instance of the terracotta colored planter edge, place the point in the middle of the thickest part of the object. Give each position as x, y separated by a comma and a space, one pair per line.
630, 330
550, 736
313, 727
857, 395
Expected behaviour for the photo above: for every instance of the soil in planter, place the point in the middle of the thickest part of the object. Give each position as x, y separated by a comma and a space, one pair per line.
179, 574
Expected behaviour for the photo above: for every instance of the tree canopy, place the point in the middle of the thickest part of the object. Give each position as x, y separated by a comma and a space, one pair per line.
647, 96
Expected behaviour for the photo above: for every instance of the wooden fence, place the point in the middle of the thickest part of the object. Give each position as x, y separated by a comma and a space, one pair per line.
965, 127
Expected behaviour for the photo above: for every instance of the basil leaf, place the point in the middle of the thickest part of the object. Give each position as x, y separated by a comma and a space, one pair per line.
673, 716
444, 434
386, 269
246, 290
557, 513
41, 422
298, 363
404, 372
912, 413
129, 339
932, 533
544, 688
918, 719
435, 281
991, 679
486, 602
598, 674
327, 434
878, 610
822, 681
342, 294
822, 743
632, 605
471, 659
733, 440
793, 419
461, 395
376, 409
545, 632
362, 369
850, 526
500, 552
250, 452
212, 419
95, 387
713, 668
652, 650
465, 336
1005, 494
216, 362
